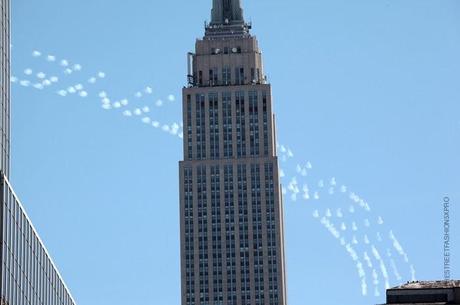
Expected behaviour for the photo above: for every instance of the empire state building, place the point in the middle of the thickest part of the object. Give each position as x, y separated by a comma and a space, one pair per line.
231, 211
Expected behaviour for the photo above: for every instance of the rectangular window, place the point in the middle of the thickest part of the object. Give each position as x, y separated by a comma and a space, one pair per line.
240, 124
254, 123
239, 76
265, 123
230, 232
214, 125
200, 127
213, 77
202, 219
256, 204
200, 78
227, 124
189, 232
188, 123
226, 76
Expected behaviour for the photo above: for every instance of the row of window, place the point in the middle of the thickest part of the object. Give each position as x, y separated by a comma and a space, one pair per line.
224, 77
225, 120
28, 276
217, 269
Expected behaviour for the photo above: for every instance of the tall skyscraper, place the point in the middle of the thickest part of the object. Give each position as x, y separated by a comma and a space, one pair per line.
232, 244
28, 276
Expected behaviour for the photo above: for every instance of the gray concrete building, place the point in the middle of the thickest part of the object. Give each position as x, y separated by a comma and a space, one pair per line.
426, 293
28, 275
231, 211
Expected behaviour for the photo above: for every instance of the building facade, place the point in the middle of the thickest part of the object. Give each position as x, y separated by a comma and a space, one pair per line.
231, 212
5, 87
28, 275
426, 293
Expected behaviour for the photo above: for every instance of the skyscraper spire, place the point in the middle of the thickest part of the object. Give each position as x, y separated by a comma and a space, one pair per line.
227, 20
226, 12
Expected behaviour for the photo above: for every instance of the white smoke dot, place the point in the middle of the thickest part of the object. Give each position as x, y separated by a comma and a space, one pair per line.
38, 86
24, 83
321, 184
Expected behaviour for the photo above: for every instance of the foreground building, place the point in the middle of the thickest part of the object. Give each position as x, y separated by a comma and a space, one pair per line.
5, 87
427, 293
27, 275
232, 244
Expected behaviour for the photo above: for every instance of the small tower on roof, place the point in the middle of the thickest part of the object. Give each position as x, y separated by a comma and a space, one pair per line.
226, 12
227, 20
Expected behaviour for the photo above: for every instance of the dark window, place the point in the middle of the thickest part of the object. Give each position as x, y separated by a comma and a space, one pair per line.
213, 77
239, 76
200, 78
214, 125
227, 124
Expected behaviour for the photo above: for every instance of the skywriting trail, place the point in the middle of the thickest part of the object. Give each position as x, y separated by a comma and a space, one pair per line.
365, 237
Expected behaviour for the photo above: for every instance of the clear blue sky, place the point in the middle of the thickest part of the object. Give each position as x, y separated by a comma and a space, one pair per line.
367, 91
